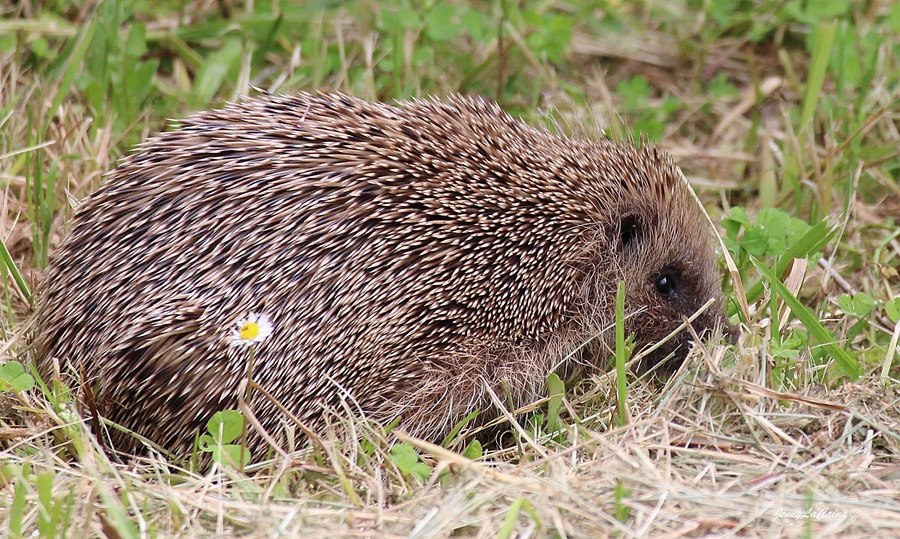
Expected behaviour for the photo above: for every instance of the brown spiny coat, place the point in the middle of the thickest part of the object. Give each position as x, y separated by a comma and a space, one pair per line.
409, 258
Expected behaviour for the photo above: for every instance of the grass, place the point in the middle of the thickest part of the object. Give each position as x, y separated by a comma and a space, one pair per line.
783, 115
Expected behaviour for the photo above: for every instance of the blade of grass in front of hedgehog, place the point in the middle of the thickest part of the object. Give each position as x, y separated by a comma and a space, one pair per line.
455, 430
512, 517
10, 265
621, 353
556, 390
845, 362
17, 508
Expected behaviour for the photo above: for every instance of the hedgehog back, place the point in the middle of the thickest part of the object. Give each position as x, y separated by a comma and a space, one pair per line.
382, 242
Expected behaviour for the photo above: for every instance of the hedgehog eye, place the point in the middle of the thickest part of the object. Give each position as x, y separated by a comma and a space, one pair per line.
665, 284
628, 229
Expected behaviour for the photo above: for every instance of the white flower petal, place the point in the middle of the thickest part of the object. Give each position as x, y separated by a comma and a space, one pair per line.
264, 329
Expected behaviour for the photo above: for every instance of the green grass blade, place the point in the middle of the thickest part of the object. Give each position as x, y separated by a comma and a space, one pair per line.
509, 524
556, 390
822, 45
74, 63
455, 430
621, 353
13, 270
17, 509
215, 70
845, 363
622, 511
45, 500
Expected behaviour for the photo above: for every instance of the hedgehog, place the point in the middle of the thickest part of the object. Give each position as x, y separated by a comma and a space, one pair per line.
420, 261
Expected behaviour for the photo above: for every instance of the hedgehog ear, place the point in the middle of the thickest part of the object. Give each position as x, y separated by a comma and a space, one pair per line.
629, 229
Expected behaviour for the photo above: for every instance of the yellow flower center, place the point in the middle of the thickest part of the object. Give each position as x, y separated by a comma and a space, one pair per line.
249, 331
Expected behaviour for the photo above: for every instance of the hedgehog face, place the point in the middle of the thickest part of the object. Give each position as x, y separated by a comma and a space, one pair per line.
668, 263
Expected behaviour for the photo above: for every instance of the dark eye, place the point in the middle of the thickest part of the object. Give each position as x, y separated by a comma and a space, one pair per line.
665, 284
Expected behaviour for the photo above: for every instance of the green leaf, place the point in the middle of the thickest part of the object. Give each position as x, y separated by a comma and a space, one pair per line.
720, 87
773, 233
408, 461
224, 453
845, 302
724, 11
137, 41
734, 221
40, 48
397, 22
756, 242
13, 374
7, 43
556, 390
860, 305
552, 35
893, 18
892, 309
477, 25
229, 454
421, 470
634, 92
827, 9
404, 456
787, 352
442, 23
473, 450
810, 243
225, 426
509, 523
825, 338
534, 423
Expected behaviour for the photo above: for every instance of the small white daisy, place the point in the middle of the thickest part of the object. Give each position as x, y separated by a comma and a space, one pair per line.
252, 329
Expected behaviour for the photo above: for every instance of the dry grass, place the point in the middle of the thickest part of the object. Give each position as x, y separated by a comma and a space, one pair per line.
711, 453
746, 441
